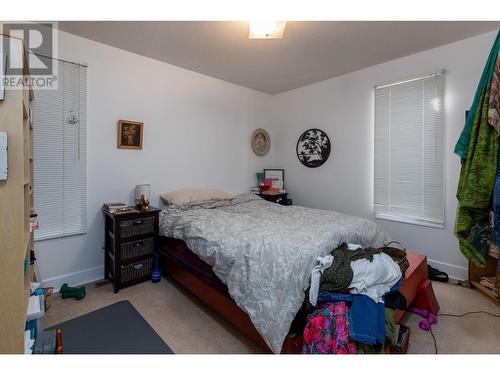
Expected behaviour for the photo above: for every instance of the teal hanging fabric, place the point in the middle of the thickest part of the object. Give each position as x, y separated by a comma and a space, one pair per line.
463, 142
478, 148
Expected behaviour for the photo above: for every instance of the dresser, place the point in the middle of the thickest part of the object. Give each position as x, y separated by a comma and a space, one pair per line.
130, 242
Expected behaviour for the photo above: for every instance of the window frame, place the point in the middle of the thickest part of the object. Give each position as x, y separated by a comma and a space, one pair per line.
408, 219
82, 145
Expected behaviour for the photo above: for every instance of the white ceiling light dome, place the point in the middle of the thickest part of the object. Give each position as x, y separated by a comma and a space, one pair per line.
266, 29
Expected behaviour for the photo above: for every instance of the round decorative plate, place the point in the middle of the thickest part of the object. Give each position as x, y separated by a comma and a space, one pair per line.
313, 148
261, 142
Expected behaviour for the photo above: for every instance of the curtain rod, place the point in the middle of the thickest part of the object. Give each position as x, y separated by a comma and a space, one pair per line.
54, 58
410, 80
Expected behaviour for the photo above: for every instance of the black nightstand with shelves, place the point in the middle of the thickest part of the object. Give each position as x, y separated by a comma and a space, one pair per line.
281, 198
130, 241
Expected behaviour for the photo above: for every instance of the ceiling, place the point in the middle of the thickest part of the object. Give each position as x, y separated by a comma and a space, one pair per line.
310, 51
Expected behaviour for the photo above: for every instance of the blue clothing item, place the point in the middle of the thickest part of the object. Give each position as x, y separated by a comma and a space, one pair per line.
367, 318
496, 205
396, 286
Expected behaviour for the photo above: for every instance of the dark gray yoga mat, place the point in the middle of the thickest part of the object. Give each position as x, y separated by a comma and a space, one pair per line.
115, 329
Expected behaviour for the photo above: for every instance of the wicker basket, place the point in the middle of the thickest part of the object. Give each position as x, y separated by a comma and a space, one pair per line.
136, 249
136, 270
130, 228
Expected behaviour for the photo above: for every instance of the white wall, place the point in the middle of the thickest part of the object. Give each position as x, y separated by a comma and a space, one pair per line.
196, 134
343, 107
197, 131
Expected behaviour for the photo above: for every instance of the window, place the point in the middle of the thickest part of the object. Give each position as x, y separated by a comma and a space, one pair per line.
60, 154
409, 128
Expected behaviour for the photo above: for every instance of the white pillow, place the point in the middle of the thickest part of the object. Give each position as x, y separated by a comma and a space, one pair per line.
189, 196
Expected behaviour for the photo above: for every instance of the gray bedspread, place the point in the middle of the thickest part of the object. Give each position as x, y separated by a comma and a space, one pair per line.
265, 252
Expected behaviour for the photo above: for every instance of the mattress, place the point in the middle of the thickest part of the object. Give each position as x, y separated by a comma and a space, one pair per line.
177, 251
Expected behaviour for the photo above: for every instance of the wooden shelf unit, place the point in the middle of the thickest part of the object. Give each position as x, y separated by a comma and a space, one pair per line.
16, 199
475, 274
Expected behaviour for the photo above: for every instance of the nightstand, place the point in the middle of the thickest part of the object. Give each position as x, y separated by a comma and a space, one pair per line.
130, 241
281, 198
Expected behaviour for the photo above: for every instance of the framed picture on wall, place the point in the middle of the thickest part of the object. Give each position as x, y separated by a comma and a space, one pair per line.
278, 175
130, 134
260, 142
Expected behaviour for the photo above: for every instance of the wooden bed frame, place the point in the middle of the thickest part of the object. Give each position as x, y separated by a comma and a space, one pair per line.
416, 288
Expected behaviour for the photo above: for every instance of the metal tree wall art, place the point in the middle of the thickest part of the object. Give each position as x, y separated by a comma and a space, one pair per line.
313, 148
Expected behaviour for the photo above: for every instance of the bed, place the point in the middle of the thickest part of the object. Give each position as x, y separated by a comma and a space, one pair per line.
250, 259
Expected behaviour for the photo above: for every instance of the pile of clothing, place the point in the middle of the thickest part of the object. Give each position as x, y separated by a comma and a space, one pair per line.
352, 298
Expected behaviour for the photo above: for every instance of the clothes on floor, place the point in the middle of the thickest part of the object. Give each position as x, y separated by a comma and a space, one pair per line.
367, 318
395, 300
374, 278
322, 264
390, 338
352, 282
369, 349
367, 323
362, 271
340, 274
327, 330
390, 327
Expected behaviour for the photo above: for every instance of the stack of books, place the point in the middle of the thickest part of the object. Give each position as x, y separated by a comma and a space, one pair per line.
488, 282
118, 207
255, 190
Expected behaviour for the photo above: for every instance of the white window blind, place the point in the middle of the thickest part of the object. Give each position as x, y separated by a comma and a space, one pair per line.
60, 154
409, 173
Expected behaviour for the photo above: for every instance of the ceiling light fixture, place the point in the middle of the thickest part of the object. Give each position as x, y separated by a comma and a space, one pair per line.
266, 29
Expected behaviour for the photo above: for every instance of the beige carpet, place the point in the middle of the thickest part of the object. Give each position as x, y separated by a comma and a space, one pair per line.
188, 326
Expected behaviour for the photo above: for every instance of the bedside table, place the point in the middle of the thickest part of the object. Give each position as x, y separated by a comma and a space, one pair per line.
130, 241
281, 198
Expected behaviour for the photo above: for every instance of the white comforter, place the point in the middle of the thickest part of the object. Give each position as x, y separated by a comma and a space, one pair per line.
265, 252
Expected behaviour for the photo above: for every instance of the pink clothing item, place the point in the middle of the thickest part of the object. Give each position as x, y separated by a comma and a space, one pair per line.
327, 330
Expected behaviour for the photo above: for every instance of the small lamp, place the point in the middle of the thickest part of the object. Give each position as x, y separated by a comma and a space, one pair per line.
143, 195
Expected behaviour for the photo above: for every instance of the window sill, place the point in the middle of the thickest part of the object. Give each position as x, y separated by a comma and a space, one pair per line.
55, 236
409, 220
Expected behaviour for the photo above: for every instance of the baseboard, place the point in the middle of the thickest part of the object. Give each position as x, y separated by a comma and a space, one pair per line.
75, 278
453, 271
93, 274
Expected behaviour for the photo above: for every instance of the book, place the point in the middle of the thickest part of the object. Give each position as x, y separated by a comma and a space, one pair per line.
113, 205
488, 282
123, 210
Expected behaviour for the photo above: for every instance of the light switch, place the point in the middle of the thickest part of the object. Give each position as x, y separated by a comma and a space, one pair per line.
4, 161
